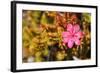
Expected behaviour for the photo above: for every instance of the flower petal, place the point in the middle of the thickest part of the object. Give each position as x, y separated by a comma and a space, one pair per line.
70, 43
65, 34
79, 34
70, 28
65, 40
76, 28
77, 41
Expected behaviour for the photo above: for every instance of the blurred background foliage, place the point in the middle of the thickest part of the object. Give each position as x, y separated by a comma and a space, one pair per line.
42, 39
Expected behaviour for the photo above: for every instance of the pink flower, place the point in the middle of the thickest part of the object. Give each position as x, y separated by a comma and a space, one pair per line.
72, 35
